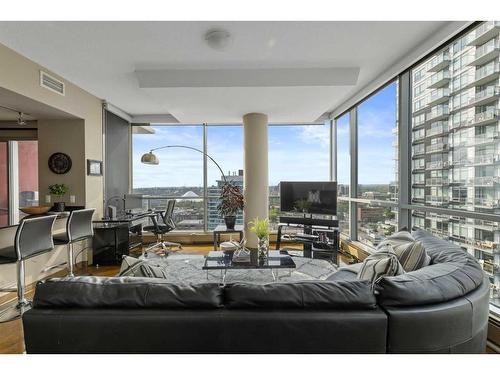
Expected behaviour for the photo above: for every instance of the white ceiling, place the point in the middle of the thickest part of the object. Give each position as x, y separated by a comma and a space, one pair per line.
103, 57
32, 110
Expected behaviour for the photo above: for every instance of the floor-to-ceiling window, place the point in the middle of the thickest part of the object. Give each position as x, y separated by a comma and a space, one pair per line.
178, 176
296, 153
455, 109
225, 146
343, 171
450, 149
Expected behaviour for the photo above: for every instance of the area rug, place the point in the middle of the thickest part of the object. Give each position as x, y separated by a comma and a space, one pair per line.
186, 268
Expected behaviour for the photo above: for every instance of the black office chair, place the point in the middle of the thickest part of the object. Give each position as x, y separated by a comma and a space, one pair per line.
159, 230
78, 228
33, 237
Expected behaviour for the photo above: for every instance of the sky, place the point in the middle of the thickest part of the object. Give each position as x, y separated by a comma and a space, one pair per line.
296, 152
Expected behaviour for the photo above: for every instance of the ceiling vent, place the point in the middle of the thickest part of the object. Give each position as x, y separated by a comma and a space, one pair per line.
51, 83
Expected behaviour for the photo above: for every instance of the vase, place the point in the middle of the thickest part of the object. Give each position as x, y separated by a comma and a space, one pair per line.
59, 206
263, 248
230, 222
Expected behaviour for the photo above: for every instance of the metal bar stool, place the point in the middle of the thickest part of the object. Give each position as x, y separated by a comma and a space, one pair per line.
33, 237
78, 228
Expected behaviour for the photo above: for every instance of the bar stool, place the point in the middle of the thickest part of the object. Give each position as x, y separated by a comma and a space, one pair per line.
78, 228
33, 237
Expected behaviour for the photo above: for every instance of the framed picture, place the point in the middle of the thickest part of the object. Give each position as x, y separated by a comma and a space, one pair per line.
94, 167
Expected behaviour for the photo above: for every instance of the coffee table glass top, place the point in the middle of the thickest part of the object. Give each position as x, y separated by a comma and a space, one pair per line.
218, 260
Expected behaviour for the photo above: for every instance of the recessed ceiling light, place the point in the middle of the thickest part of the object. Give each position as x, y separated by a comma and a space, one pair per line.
218, 39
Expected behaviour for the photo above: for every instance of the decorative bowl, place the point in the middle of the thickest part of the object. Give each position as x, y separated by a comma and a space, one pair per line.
35, 210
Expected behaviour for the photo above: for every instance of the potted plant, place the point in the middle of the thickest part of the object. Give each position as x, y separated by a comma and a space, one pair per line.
231, 201
261, 228
58, 190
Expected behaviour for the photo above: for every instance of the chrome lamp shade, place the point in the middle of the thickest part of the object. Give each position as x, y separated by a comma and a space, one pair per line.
150, 158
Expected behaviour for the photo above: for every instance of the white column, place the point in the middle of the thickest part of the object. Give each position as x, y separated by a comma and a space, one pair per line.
256, 189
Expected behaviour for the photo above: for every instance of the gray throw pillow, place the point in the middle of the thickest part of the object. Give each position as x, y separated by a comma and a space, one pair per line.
410, 252
382, 263
141, 268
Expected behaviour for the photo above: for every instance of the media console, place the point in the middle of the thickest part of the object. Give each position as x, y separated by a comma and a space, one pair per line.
320, 236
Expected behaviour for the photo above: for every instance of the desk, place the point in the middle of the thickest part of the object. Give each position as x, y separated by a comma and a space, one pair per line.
221, 229
114, 238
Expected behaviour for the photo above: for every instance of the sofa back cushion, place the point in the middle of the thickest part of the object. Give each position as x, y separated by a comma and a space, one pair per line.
125, 292
452, 273
301, 295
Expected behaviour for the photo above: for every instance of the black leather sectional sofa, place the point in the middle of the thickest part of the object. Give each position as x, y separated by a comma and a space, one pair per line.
442, 308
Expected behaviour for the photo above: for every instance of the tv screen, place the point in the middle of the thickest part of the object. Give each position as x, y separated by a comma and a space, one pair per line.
309, 197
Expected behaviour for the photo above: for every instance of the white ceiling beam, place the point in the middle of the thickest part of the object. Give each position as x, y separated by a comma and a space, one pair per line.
154, 119
279, 77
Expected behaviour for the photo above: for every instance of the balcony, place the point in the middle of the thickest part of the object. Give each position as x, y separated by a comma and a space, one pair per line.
485, 74
438, 128
438, 112
485, 32
418, 136
437, 147
486, 225
439, 79
438, 217
441, 61
486, 53
485, 96
436, 200
486, 181
437, 181
418, 200
490, 268
483, 244
458, 200
418, 152
486, 159
483, 118
487, 202
481, 139
438, 96
437, 165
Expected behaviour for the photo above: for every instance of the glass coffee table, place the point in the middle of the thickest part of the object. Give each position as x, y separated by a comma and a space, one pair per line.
223, 261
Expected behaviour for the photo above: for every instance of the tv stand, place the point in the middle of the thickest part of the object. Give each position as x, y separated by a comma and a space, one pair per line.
321, 236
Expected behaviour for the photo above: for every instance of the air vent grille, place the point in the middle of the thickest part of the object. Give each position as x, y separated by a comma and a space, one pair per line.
51, 83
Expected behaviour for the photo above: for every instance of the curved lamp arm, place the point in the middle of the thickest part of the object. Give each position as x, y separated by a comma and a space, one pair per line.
194, 149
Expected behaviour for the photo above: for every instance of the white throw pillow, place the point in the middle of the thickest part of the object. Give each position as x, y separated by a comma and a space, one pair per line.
382, 263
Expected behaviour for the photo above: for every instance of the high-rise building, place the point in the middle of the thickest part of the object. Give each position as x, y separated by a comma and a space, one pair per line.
213, 216
456, 143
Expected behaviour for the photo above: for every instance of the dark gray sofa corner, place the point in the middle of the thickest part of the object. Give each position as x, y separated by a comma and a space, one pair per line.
441, 308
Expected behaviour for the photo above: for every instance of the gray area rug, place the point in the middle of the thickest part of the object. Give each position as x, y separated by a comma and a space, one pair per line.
186, 268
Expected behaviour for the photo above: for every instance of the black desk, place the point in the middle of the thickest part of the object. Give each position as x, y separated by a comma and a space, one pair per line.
114, 238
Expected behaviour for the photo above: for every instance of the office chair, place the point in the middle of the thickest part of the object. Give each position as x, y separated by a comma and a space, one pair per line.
167, 225
78, 228
33, 237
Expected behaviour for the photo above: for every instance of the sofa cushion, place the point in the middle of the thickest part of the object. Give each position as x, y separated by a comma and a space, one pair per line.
382, 263
452, 273
125, 292
141, 268
355, 294
410, 252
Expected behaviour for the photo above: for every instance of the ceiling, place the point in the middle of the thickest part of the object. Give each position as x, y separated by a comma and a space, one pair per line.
107, 59
32, 110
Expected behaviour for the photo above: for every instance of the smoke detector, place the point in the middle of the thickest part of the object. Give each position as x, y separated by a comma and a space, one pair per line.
218, 39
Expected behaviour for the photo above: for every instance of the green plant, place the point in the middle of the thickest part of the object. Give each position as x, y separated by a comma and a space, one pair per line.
260, 227
59, 190
273, 214
231, 200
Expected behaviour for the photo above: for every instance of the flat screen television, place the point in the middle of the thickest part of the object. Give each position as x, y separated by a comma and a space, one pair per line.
309, 197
